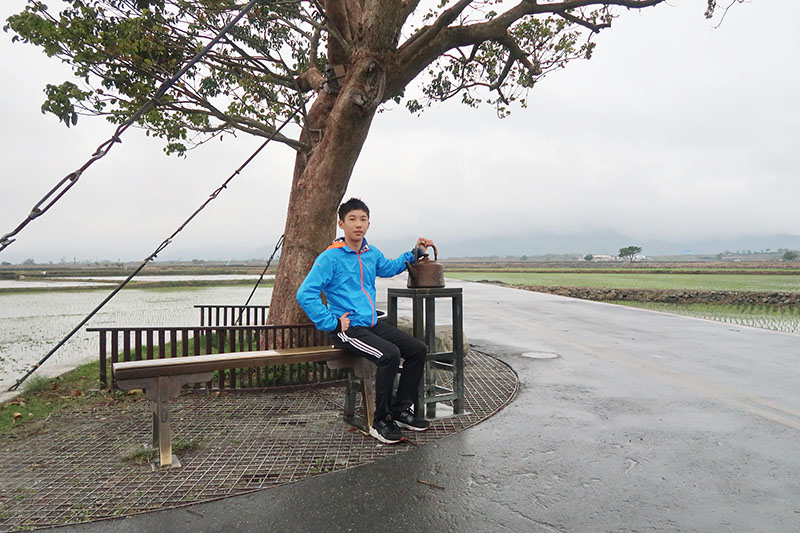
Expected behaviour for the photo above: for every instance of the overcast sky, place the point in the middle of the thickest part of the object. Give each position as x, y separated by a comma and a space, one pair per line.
673, 131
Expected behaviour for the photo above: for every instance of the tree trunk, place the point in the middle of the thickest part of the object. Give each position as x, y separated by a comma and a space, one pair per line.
335, 130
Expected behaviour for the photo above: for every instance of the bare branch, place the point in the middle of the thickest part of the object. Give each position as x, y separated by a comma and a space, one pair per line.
712, 5
585, 23
241, 123
503, 75
427, 33
474, 52
339, 28
285, 81
508, 18
313, 51
423, 48
519, 54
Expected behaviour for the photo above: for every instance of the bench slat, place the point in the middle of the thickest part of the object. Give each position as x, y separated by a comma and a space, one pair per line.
205, 363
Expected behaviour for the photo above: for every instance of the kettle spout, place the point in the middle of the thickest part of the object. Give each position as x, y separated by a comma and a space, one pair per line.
412, 272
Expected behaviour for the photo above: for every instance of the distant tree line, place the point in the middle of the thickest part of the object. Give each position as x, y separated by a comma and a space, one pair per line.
788, 255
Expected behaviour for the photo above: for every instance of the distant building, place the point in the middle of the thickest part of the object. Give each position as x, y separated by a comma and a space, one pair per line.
601, 257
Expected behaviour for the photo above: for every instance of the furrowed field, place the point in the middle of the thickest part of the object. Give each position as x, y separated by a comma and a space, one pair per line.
757, 295
768, 317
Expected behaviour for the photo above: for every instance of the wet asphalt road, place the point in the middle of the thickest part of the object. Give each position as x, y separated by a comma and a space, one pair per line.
633, 421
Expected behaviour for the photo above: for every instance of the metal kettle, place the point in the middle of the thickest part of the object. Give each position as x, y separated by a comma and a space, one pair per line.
424, 273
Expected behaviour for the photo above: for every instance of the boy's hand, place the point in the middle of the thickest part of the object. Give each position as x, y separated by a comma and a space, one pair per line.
344, 322
423, 244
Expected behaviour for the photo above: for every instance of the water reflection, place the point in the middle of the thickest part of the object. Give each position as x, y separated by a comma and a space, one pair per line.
32, 323
103, 281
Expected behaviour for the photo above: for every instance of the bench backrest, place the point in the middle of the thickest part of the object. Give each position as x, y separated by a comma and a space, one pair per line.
119, 344
224, 315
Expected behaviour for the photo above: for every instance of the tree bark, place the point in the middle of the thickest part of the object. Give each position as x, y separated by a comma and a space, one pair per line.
335, 130
363, 37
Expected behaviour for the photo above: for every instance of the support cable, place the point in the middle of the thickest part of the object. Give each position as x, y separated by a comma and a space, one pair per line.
241, 311
61, 188
160, 247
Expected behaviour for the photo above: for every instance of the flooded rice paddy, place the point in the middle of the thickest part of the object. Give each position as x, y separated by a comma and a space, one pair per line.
104, 281
32, 323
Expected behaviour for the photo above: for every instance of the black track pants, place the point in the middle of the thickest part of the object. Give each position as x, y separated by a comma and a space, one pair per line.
385, 345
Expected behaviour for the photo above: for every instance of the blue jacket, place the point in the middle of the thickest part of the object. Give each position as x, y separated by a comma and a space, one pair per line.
347, 279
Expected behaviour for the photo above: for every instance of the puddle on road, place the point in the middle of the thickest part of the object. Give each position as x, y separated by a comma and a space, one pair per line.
540, 355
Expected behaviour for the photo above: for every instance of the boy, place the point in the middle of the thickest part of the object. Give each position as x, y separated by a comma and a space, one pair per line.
345, 273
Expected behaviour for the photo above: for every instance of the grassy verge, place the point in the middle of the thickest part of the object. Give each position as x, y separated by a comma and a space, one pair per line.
717, 282
42, 397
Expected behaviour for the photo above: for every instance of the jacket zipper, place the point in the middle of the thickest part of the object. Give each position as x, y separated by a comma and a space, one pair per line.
372, 305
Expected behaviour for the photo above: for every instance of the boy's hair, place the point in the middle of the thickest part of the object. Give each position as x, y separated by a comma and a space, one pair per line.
351, 205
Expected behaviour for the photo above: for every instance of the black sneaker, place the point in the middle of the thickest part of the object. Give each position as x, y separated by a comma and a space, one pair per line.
386, 431
408, 420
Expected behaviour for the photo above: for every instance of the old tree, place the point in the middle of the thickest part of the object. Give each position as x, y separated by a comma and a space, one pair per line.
340, 59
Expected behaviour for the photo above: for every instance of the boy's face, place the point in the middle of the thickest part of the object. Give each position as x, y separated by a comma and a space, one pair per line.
355, 225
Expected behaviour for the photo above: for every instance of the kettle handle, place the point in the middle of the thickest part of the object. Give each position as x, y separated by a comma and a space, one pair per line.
435, 252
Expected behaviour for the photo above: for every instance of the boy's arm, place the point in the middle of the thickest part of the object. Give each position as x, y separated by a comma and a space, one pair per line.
386, 268
308, 295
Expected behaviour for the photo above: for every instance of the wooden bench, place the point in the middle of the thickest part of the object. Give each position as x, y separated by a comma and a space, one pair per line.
162, 380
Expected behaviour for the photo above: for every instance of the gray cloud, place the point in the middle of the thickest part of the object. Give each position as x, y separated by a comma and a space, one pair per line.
674, 130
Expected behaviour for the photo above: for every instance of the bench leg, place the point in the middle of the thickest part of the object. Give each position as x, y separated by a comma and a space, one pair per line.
162, 430
160, 390
350, 397
362, 374
365, 370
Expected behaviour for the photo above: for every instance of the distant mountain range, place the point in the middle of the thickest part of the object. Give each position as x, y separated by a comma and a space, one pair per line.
609, 242
591, 242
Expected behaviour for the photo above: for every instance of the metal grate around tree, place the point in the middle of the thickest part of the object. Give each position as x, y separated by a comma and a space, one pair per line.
237, 442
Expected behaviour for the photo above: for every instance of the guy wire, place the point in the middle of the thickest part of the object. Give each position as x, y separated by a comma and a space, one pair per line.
160, 247
72, 178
